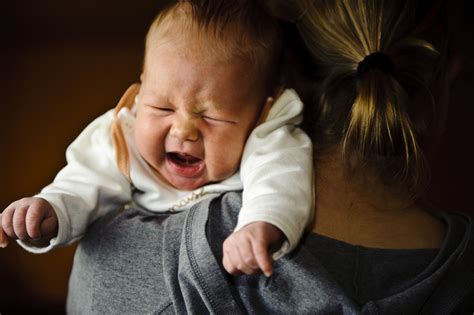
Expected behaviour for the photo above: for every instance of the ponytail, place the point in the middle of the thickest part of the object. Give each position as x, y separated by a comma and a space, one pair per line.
375, 97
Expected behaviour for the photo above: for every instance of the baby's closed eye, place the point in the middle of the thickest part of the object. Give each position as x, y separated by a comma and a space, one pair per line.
160, 110
212, 119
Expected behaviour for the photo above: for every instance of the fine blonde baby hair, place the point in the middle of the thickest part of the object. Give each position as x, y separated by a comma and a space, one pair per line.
237, 29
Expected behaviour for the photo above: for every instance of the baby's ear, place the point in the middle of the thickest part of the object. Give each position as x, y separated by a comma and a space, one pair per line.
265, 110
142, 77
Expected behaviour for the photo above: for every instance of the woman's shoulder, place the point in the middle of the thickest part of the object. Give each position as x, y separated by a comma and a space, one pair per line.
459, 235
457, 253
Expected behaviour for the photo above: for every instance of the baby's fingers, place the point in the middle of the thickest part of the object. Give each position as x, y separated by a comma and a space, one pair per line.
229, 266
49, 227
33, 219
231, 259
19, 222
262, 256
7, 222
238, 256
248, 263
3, 236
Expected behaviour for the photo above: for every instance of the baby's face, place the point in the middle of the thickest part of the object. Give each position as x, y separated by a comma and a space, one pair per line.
194, 115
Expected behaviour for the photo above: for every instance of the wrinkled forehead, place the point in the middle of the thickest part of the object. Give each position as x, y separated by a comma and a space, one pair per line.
192, 42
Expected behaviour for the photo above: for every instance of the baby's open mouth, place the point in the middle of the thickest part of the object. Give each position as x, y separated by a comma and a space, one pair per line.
183, 159
185, 165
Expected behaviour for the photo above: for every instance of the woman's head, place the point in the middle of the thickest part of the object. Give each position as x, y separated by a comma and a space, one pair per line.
373, 93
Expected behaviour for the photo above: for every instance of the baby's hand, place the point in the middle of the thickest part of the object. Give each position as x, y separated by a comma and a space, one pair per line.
28, 219
247, 250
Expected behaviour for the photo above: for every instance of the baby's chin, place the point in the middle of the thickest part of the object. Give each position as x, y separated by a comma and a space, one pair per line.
187, 183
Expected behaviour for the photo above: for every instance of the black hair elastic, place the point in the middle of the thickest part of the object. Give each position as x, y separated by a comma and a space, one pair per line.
375, 60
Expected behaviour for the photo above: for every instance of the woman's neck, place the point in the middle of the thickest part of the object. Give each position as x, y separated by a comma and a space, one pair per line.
360, 210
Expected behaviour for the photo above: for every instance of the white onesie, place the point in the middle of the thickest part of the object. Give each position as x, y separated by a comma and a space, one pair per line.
275, 174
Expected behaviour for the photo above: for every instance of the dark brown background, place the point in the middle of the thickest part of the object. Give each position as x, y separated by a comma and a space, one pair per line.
62, 63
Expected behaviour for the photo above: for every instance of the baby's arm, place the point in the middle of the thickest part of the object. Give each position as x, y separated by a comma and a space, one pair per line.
276, 172
89, 186
28, 219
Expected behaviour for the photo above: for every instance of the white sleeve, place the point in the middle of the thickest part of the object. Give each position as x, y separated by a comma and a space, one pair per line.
89, 186
277, 173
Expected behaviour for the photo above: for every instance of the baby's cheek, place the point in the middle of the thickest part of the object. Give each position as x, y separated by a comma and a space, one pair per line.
144, 144
227, 161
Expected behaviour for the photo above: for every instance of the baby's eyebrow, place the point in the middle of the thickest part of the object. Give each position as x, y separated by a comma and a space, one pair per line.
154, 99
149, 98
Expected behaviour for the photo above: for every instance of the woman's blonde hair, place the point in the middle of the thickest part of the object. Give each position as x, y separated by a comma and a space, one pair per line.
373, 86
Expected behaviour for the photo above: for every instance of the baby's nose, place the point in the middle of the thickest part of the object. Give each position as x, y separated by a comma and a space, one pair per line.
184, 129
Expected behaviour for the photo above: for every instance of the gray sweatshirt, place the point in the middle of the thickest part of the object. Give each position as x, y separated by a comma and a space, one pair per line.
138, 262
